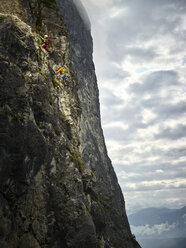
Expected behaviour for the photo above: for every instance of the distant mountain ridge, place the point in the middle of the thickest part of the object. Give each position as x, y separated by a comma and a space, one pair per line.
163, 243
154, 216
159, 223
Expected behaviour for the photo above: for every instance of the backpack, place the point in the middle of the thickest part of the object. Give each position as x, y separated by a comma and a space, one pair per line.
64, 71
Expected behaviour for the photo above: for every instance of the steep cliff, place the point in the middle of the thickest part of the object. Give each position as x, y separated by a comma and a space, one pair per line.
57, 185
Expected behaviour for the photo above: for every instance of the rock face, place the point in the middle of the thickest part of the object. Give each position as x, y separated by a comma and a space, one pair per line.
57, 185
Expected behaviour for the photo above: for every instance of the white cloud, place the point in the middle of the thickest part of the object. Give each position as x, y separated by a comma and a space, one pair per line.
159, 171
153, 184
82, 12
99, 4
148, 230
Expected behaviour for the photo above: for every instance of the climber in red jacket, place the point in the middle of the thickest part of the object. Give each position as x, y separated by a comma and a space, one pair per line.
46, 42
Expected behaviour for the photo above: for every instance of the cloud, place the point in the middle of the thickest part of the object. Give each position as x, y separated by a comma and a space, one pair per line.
175, 133
83, 13
158, 199
110, 99
142, 23
152, 230
154, 185
171, 110
114, 73
175, 153
154, 82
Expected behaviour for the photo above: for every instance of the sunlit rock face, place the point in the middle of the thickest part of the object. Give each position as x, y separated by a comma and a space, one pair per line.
57, 185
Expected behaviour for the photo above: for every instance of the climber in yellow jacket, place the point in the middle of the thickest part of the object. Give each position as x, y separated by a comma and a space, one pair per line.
62, 74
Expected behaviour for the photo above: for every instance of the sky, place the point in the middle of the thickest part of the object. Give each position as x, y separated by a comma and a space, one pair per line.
140, 61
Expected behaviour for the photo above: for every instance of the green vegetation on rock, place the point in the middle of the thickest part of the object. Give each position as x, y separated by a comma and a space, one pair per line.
75, 157
55, 82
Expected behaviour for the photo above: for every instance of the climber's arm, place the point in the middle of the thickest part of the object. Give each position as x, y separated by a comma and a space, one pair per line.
42, 38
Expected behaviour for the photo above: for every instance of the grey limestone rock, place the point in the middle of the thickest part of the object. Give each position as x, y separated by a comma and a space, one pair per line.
58, 188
